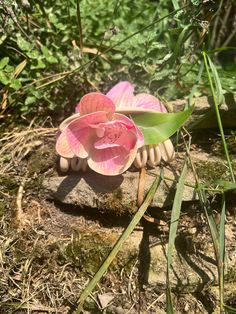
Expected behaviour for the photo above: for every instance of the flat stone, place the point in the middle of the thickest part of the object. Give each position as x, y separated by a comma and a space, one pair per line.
203, 116
117, 193
194, 266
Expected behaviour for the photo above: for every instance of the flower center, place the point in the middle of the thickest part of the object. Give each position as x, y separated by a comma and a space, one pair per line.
110, 135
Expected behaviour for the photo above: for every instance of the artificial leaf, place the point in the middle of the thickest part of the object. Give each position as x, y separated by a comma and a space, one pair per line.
158, 127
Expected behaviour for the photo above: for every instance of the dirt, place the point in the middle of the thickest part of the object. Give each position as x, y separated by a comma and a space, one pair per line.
49, 255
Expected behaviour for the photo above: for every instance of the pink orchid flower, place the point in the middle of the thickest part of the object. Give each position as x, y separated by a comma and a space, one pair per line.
107, 139
100, 134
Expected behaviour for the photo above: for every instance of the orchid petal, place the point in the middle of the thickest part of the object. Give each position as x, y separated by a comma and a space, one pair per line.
80, 135
122, 94
94, 102
63, 147
68, 120
111, 161
129, 122
149, 102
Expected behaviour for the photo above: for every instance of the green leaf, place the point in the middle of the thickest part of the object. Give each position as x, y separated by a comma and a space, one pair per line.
37, 65
180, 44
30, 100
195, 2
3, 62
175, 4
34, 54
4, 79
229, 309
9, 69
51, 59
48, 55
15, 84
23, 44
45, 51
226, 185
20, 67
158, 127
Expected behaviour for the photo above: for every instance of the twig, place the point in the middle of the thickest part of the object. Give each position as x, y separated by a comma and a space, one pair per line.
141, 185
80, 28
155, 301
20, 216
19, 211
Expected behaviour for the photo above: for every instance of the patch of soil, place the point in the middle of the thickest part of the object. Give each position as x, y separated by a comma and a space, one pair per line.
48, 257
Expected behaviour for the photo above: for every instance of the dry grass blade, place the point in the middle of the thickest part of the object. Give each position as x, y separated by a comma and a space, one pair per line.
18, 144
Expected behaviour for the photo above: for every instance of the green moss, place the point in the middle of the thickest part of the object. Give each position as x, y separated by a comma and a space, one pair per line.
89, 250
209, 172
42, 160
230, 276
113, 204
218, 148
9, 184
118, 193
35, 184
231, 142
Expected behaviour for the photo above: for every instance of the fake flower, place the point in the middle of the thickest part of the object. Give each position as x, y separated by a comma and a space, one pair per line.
107, 139
101, 136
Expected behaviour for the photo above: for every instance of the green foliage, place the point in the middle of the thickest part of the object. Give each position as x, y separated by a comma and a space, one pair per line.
162, 59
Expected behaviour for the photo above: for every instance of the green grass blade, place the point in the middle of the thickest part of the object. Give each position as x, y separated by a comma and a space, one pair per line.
180, 44
220, 49
222, 254
194, 88
119, 243
226, 185
172, 233
206, 60
175, 4
210, 219
229, 309
219, 90
157, 127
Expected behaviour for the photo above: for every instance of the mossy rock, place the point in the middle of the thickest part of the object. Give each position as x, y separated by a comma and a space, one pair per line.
209, 172
87, 251
42, 160
9, 184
